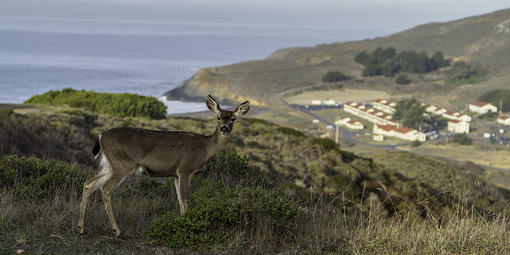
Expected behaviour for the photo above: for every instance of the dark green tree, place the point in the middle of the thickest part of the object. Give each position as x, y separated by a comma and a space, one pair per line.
335, 76
402, 79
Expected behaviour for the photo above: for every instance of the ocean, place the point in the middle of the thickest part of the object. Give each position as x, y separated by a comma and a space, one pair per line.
143, 57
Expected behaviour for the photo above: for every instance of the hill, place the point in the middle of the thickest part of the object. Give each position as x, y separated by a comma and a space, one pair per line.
338, 197
481, 40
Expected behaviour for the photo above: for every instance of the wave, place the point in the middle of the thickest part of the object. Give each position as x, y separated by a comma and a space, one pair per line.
175, 107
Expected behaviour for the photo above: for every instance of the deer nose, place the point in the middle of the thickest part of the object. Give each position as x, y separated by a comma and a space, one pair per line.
224, 129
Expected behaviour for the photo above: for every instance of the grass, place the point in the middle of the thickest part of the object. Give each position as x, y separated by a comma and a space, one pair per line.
390, 203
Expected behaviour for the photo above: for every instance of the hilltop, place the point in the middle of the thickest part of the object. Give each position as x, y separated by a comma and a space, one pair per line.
481, 40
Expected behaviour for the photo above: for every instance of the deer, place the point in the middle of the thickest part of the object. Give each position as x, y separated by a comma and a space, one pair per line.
124, 151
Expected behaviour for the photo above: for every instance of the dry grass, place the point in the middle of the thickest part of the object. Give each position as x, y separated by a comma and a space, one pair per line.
48, 227
344, 95
465, 153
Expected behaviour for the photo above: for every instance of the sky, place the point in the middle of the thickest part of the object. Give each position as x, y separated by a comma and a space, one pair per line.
387, 15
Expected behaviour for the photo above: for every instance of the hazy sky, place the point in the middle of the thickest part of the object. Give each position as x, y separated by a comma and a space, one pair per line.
390, 15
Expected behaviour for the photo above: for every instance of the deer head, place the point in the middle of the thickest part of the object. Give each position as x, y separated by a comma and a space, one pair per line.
226, 118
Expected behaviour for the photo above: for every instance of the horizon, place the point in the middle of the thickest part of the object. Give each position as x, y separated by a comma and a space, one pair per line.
380, 17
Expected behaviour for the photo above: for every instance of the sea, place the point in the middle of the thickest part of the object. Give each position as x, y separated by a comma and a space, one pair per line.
142, 57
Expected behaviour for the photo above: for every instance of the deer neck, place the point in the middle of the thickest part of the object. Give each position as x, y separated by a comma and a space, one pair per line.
216, 143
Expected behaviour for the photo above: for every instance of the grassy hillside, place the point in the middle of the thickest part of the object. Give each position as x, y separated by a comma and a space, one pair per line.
324, 199
481, 40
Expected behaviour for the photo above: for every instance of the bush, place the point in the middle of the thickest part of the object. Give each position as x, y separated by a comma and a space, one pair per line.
327, 144
402, 79
34, 178
290, 131
5, 113
120, 105
463, 73
212, 217
415, 143
335, 76
462, 139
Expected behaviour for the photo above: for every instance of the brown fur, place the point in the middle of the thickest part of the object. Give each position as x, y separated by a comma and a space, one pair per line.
155, 153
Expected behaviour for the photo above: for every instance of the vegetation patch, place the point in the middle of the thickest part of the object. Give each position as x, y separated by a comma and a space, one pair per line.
461, 139
402, 79
34, 178
335, 76
410, 112
326, 144
212, 217
388, 62
290, 131
119, 105
462, 73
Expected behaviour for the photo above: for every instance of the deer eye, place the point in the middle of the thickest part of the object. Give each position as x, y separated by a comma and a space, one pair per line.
219, 118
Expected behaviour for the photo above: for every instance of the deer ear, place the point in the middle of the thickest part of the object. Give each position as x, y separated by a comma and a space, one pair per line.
242, 109
212, 105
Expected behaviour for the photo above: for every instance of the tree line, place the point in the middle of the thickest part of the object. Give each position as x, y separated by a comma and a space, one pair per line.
388, 62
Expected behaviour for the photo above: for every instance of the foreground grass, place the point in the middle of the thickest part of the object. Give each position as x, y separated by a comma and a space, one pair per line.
49, 227
308, 224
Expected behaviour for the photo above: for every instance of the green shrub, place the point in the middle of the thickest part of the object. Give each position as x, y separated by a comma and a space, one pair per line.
231, 169
462, 73
402, 79
335, 76
326, 143
5, 113
212, 217
34, 178
415, 143
290, 131
462, 139
120, 105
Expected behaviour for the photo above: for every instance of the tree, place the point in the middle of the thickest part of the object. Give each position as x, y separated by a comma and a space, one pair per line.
335, 76
402, 79
362, 58
371, 70
439, 59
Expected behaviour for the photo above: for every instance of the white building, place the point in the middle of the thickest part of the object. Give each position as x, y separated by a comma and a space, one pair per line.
458, 127
505, 120
350, 123
329, 102
482, 107
403, 133
434, 110
369, 113
385, 106
316, 102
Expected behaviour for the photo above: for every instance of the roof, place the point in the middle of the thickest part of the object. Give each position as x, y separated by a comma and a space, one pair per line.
503, 117
404, 130
353, 122
479, 103
450, 113
386, 127
454, 121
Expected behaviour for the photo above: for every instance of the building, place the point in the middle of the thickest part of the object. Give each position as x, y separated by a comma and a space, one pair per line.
403, 133
385, 106
434, 110
369, 113
458, 127
350, 123
482, 107
505, 120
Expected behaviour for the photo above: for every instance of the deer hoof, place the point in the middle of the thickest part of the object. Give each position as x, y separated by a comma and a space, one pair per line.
81, 230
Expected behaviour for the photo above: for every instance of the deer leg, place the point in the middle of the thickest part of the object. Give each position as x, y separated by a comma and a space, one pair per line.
182, 188
106, 192
92, 185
